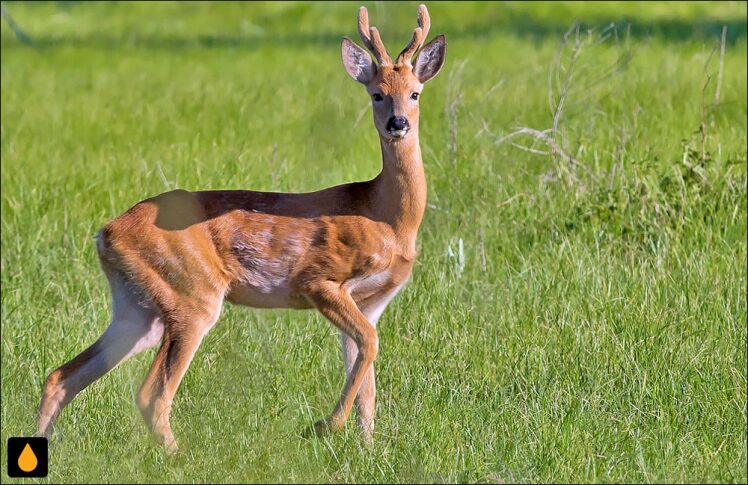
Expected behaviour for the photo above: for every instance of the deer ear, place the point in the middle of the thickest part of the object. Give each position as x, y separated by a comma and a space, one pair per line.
431, 59
357, 62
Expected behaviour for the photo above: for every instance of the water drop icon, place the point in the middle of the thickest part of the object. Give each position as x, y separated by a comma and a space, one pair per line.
27, 459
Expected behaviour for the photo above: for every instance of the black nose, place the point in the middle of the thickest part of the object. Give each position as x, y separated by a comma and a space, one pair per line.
397, 123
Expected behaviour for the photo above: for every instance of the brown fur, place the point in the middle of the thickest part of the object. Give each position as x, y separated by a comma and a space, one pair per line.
173, 259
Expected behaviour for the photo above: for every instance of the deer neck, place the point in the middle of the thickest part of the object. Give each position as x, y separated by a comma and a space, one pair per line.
401, 186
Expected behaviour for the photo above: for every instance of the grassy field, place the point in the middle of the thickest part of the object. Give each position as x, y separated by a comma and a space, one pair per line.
567, 320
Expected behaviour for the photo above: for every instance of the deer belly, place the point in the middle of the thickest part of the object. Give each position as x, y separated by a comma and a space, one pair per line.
264, 280
264, 297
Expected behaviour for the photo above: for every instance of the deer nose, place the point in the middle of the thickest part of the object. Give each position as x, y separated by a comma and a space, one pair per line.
397, 123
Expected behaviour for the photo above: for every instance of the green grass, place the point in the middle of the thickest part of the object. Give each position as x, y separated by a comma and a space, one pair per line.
594, 328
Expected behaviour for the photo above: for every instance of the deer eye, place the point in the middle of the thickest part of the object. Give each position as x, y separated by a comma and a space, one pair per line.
414, 96
376, 97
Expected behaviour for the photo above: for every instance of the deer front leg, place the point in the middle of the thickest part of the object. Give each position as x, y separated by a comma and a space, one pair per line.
337, 306
365, 401
366, 397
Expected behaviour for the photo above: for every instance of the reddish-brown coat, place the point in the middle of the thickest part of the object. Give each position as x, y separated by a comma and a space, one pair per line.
173, 259
259, 249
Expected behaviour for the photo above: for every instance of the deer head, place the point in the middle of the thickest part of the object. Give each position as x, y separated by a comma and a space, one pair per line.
394, 87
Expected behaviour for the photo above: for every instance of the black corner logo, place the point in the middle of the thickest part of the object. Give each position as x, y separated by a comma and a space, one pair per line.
27, 457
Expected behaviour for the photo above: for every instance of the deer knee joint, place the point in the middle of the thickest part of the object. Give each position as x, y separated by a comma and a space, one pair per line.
53, 385
143, 400
370, 346
53, 379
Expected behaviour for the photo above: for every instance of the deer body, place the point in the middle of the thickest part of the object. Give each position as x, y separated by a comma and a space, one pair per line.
172, 260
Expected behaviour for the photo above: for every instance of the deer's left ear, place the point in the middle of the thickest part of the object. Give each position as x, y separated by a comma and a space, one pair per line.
431, 59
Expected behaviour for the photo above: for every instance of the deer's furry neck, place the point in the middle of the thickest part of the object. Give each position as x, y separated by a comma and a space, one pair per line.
402, 184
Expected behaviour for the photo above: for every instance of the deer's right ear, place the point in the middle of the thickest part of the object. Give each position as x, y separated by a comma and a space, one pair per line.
357, 62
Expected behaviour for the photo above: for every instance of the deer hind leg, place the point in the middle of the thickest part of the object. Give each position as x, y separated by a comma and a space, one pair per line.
183, 334
338, 307
134, 327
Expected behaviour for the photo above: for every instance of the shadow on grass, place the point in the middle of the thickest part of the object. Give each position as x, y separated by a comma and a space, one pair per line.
668, 30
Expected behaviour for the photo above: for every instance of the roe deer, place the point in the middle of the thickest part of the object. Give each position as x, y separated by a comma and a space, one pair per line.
347, 250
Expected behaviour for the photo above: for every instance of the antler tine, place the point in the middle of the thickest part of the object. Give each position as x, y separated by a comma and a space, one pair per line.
419, 35
424, 20
363, 28
371, 38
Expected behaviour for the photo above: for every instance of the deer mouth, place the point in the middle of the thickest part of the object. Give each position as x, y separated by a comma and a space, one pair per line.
397, 133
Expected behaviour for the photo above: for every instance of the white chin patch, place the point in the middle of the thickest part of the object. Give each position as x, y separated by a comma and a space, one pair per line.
398, 133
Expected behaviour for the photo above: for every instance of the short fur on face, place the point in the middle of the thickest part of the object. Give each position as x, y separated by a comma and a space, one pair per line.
394, 88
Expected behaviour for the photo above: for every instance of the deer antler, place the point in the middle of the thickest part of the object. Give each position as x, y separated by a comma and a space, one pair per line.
371, 38
419, 35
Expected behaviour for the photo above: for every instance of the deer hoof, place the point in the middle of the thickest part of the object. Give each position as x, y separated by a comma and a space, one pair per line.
327, 426
171, 447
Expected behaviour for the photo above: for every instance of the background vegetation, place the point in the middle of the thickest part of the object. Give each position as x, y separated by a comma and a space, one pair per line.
578, 309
